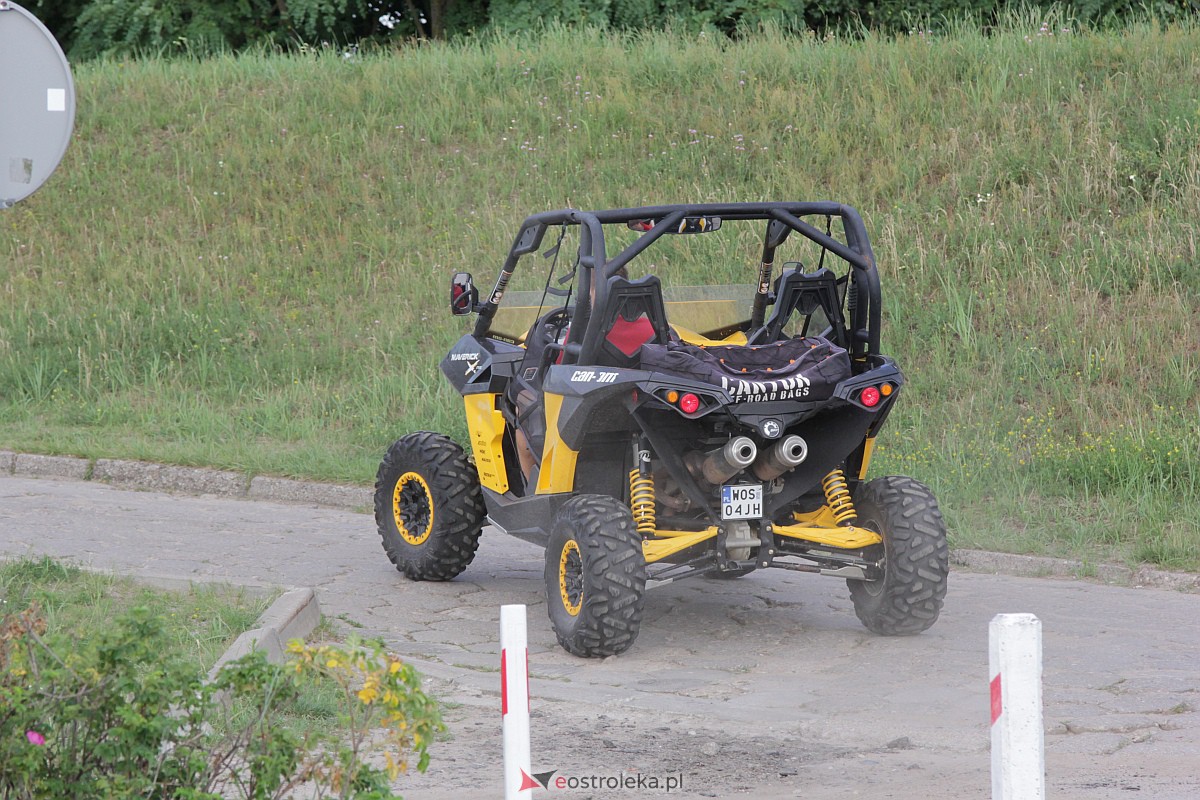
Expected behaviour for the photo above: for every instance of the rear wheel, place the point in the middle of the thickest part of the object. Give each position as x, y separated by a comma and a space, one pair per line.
595, 576
428, 507
916, 558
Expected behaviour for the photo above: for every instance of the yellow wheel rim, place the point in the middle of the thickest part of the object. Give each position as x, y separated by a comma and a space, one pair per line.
412, 508
570, 578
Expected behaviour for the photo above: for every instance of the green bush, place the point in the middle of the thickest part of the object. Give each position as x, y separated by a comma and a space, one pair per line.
118, 716
119, 27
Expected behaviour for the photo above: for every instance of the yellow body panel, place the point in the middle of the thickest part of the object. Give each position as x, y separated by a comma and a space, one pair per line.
486, 426
691, 337
558, 461
868, 449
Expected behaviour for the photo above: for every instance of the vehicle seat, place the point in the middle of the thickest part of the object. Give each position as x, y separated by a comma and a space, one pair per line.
634, 316
543, 346
800, 293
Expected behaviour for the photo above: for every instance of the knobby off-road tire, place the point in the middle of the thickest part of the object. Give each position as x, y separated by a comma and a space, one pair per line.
908, 598
428, 507
595, 576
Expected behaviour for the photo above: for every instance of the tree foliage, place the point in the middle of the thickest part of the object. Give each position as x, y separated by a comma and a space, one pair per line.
90, 28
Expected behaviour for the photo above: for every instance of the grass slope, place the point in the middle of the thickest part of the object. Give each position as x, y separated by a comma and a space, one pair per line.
243, 262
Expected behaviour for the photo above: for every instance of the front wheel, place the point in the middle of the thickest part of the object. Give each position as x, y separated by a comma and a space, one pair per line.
428, 507
595, 576
907, 599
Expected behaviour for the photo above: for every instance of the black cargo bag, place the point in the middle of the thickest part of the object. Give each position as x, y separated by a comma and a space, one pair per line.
796, 369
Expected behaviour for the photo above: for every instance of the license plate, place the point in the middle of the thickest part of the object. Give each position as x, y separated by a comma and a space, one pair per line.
741, 501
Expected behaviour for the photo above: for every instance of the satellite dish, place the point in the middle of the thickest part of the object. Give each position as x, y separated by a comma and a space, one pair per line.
37, 103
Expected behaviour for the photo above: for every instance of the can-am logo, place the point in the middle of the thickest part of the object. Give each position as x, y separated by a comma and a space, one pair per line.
782, 389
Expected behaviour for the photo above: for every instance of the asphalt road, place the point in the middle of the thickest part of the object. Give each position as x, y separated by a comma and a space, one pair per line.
765, 686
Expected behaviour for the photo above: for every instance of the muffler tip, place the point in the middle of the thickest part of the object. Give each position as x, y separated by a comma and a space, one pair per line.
782, 458
741, 451
794, 450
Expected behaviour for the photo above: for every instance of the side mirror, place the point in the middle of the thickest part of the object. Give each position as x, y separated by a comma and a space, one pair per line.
686, 225
463, 294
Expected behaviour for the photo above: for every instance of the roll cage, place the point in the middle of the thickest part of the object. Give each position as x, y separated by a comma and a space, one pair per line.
584, 341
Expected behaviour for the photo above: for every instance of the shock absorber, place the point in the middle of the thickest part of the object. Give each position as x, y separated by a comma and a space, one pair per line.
837, 495
641, 491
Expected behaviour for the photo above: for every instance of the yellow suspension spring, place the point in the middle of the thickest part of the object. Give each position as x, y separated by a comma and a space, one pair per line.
837, 495
641, 501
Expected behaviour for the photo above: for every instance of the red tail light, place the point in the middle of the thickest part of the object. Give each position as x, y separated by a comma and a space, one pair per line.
869, 397
689, 403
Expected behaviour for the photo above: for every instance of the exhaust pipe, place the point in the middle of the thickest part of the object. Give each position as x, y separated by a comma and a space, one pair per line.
783, 457
723, 463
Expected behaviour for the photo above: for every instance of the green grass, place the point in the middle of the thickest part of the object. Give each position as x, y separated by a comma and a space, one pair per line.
243, 262
199, 623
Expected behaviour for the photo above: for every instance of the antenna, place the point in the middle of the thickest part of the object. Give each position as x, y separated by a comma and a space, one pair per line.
37, 103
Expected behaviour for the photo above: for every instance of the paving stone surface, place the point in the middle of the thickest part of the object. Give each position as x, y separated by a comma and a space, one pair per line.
765, 686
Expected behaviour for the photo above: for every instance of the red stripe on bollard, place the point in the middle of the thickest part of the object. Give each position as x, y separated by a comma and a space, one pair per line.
1018, 743
514, 707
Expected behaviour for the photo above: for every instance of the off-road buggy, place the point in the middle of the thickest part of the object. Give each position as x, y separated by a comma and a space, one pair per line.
726, 429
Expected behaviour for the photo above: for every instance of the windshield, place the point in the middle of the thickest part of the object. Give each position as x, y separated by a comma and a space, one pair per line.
709, 310
519, 311
706, 310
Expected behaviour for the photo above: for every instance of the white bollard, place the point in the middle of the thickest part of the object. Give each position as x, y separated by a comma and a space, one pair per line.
514, 703
1018, 752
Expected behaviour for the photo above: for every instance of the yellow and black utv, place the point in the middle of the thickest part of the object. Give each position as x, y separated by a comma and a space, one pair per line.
643, 434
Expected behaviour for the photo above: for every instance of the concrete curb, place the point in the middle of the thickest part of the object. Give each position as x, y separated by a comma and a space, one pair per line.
51, 466
187, 480
293, 616
263, 487
161, 477
1046, 567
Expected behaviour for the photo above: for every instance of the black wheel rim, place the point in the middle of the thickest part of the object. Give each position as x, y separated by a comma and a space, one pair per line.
412, 508
570, 578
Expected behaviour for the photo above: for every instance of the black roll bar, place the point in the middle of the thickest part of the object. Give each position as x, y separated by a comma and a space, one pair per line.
582, 344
